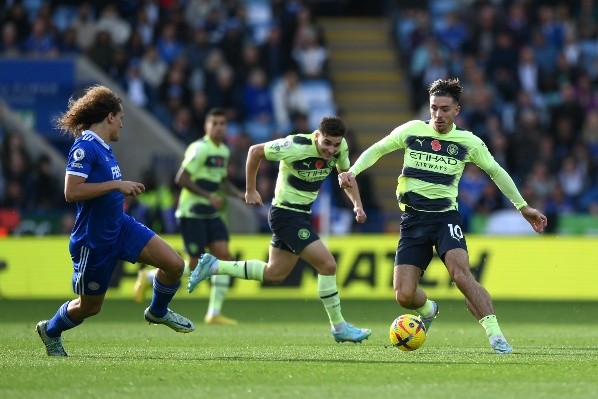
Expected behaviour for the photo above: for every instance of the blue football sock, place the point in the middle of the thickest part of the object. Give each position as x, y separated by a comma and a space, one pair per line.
61, 322
163, 294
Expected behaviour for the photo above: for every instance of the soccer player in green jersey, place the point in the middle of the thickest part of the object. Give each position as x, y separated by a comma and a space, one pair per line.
204, 182
305, 161
435, 155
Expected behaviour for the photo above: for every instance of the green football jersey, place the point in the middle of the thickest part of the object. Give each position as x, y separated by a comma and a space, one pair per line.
302, 170
207, 164
433, 165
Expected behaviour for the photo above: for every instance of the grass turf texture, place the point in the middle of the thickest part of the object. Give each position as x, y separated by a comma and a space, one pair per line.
284, 349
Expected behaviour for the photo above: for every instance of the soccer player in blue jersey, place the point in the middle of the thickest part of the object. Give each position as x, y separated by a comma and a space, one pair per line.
103, 233
305, 161
436, 152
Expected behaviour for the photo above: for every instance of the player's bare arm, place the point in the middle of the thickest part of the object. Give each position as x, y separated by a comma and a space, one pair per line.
254, 158
76, 188
352, 191
183, 179
231, 189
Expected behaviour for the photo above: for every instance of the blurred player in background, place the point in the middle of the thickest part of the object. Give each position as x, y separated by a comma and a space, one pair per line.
435, 155
204, 182
305, 161
103, 233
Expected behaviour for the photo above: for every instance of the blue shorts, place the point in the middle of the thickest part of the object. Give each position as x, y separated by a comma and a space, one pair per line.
199, 233
291, 230
93, 267
422, 231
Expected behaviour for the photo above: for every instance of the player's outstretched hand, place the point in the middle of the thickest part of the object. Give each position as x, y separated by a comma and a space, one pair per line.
346, 179
252, 197
537, 220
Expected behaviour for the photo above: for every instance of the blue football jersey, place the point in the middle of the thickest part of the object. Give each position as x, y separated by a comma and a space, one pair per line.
98, 220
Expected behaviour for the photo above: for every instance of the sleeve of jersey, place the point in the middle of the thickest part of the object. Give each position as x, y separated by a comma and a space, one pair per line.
343, 160
278, 150
80, 160
376, 151
502, 179
191, 154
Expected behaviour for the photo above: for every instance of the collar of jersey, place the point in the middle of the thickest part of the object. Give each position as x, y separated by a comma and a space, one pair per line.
98, 138
429, 123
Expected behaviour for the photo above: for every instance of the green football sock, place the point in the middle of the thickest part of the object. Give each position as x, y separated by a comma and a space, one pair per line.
491, 326
248, 270
330, 298
427, 310
218, 292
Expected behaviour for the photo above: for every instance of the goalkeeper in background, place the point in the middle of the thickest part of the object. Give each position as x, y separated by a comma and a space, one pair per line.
204, 182
436, 152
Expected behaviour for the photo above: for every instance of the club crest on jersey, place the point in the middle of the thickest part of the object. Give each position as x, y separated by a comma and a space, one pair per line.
436, 146
319, 164
79, 154
452, 149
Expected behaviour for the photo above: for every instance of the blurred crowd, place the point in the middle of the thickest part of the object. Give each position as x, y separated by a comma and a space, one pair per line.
262, 61
529, 70
530, 75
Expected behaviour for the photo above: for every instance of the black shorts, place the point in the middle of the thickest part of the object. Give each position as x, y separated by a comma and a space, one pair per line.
291, 230
421, 231
199, 233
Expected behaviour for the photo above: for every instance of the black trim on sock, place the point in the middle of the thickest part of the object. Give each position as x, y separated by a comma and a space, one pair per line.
245, 267
329, 296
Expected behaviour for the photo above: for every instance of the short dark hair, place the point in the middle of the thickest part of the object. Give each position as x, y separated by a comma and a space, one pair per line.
332, 126
216, 112
446, 88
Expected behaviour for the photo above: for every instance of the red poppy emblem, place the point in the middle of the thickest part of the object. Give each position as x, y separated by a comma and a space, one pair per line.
436, 145
319, 164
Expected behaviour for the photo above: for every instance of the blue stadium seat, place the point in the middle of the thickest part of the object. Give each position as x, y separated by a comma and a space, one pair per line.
259, 131
259, 18
317, 112
318, 92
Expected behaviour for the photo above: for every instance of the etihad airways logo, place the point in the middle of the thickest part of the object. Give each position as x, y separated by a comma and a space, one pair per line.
314, 175
427, 157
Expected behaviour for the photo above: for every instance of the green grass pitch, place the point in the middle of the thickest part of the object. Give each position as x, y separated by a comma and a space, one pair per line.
283, 349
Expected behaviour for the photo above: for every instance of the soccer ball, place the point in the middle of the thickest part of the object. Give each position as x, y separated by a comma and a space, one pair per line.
407, 332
